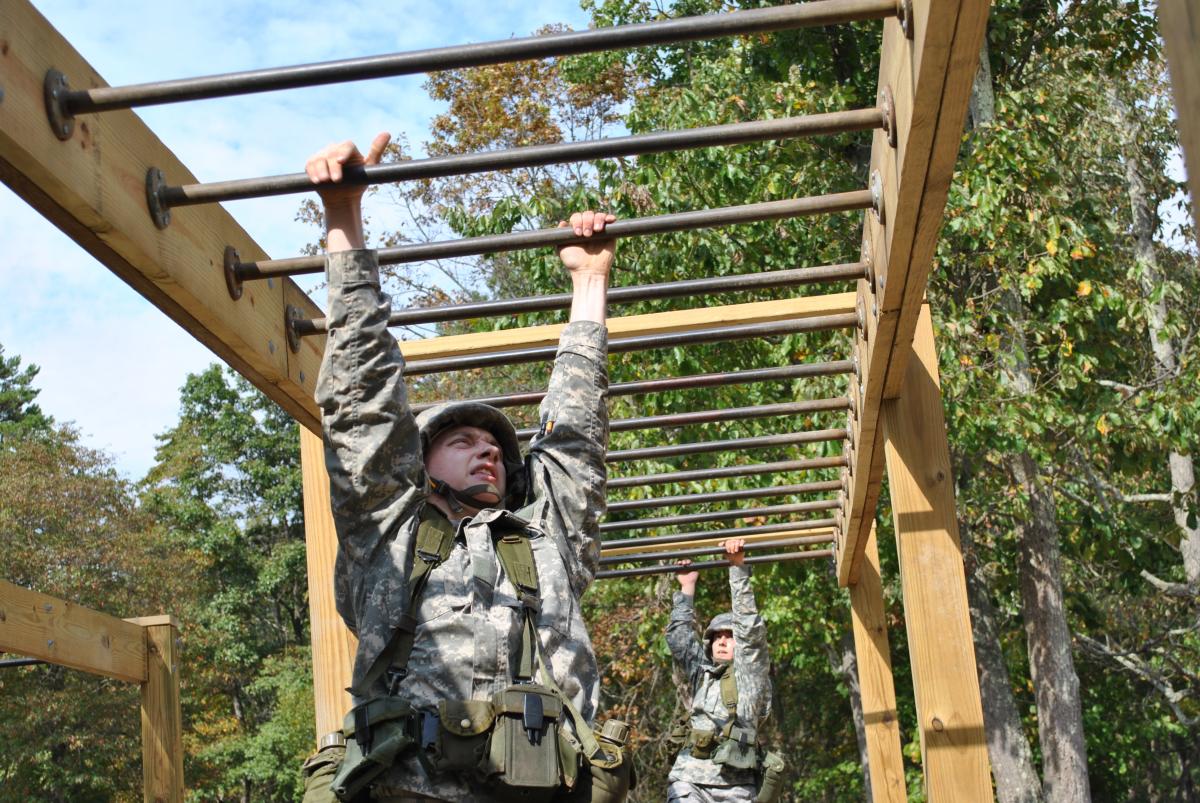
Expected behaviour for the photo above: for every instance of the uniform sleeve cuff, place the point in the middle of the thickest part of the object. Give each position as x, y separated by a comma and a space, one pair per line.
588, 339
684, 599
352, 268
739, 572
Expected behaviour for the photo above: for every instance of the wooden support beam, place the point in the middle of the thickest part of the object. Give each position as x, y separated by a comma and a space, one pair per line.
946, 686
634, 325
929, 78
162, 722
92, 186
64, 633
878, 691
1179, 24
333, 645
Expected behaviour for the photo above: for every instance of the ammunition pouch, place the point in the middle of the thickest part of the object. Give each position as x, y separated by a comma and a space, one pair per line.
702, 743
456, 738
376, 732
524, 752
737, 749
770, 778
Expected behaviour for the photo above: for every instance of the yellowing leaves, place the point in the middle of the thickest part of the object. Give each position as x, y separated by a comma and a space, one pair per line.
1102, 426
1052, 247
1084, 289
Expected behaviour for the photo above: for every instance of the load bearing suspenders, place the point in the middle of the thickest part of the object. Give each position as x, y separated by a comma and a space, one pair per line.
516, 556
435, 539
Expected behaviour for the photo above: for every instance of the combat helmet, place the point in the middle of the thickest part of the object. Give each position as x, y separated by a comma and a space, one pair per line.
721, 622
435, 420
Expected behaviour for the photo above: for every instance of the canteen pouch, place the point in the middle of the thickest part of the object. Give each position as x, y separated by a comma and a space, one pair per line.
524, 754
319, 770
737, 751
609, 779
770, 783
702, 742
463, 731
376, 732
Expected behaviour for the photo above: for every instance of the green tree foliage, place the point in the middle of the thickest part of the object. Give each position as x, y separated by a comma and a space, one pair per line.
71, 527
226, 486
19, 412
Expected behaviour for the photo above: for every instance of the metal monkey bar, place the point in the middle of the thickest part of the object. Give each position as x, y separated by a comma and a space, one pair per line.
704, 565
795, 489
67, 102
713, 380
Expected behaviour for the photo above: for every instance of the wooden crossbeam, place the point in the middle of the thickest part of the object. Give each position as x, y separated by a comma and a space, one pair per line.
92, 186
930, 79
786, 309
64, 633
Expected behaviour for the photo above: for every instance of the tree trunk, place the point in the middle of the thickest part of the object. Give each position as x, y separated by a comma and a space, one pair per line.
845, 663
1008, 749
1051, 665
1145, 223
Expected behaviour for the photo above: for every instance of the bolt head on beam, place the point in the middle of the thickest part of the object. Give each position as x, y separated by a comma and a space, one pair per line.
54, 90
877, 197
232, 281
887, 106
160, 214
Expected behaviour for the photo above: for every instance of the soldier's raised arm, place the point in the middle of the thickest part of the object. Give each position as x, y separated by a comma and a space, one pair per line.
685, 645
568, 474
372, 447
751, 659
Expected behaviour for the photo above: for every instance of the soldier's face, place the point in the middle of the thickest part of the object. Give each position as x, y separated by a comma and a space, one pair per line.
466, 456
722, 646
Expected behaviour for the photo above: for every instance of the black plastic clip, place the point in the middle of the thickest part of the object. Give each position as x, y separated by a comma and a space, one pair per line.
362, 729
395, 676
430, 724
534, 718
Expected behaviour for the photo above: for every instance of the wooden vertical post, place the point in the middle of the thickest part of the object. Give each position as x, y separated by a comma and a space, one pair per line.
875, 680
946, 686
1179, 24
333, 645
162, 723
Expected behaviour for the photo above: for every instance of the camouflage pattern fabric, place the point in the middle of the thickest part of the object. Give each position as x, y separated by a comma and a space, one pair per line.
751, 668
684, 792
468, 618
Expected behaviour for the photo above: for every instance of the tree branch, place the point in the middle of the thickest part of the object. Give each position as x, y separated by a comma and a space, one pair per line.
1135, 498
1181, 590
1139, 668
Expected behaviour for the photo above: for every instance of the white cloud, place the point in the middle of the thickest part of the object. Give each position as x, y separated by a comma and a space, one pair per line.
112, 363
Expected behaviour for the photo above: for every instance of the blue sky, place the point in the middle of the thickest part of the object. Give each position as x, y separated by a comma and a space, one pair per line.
110, 362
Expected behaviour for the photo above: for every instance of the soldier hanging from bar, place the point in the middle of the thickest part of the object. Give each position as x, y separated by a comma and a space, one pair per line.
460, 564
720, 759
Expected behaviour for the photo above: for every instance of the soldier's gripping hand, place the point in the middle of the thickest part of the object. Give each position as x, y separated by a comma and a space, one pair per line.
594, 258
735, 550
687, 580
589, 265
343, 202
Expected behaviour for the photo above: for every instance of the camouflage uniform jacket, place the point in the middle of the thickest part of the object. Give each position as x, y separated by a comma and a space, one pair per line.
468, 617
751, 671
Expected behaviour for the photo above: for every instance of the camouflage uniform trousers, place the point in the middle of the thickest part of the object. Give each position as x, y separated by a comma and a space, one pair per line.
684, 792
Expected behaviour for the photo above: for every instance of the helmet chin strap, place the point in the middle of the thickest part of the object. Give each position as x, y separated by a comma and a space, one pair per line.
458, 499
